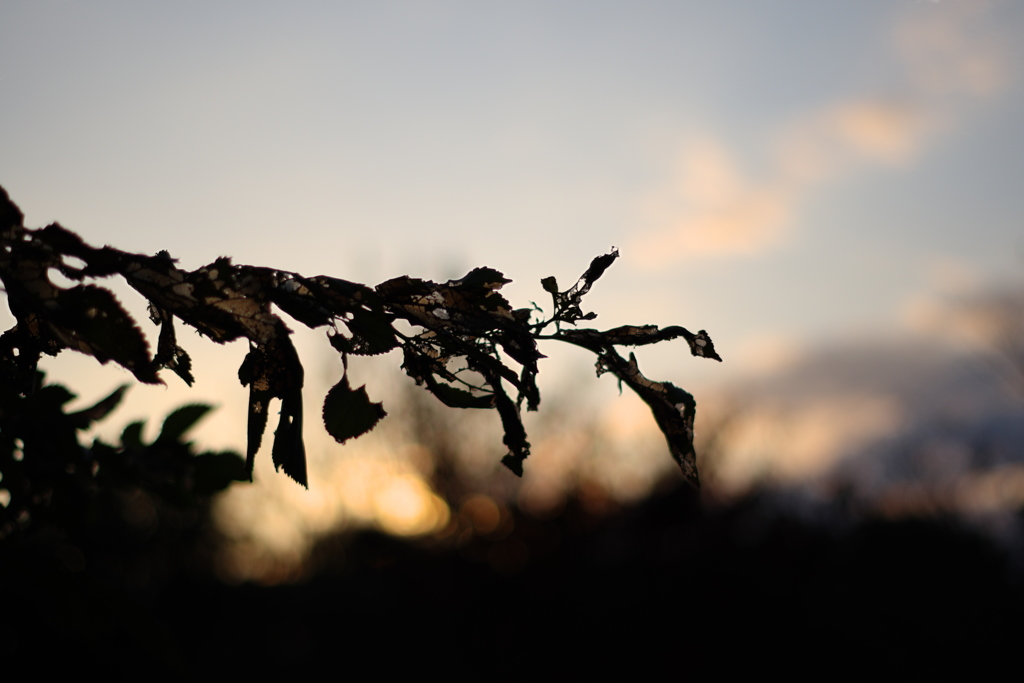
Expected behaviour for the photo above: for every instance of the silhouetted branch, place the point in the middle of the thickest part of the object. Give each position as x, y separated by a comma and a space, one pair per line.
465, 329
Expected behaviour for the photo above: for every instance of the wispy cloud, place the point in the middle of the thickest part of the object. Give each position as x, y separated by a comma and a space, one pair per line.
713, 207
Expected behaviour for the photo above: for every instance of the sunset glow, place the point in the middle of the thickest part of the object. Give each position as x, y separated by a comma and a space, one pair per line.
830, 190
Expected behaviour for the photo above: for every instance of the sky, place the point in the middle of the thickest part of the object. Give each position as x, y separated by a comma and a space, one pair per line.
785, 175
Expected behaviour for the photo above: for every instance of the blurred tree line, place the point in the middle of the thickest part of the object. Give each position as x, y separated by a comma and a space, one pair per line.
126, 584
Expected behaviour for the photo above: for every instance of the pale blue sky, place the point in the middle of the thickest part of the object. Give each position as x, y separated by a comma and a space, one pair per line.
781, 174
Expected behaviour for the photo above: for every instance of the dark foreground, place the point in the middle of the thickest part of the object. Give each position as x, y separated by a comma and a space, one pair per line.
668, 582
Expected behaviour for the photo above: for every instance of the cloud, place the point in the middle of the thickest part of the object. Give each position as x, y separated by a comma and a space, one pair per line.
940, 306
767, 354
713, 208
790, 443
952, 51
721, 210
895, 409
988, 322
880, 131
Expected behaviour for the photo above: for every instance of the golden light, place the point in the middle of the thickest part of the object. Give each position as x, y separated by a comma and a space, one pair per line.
273, 523
405, 506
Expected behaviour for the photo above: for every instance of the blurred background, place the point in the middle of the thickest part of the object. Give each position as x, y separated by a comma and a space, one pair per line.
831, 190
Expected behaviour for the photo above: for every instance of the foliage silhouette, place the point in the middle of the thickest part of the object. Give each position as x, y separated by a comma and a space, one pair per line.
50, 478
90, 534
471, 348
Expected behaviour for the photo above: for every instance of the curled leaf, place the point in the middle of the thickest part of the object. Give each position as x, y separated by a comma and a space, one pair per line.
270, 371
674, 409
567, 303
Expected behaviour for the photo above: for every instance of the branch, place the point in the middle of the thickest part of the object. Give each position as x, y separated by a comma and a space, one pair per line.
461, 326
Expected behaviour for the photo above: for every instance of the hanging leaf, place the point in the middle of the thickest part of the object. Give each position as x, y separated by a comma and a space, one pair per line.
169, 354
674, 409
271, 371
349, 413
289, 452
